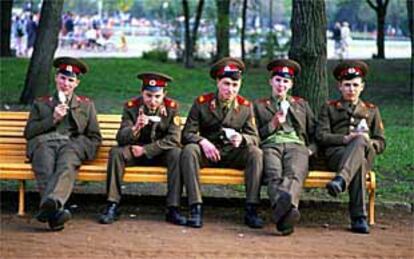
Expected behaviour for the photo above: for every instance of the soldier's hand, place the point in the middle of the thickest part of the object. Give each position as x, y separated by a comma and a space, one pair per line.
137, 151
141, 122
60, 112
211, 152
349, 137
278, 119
364, 134
236, 139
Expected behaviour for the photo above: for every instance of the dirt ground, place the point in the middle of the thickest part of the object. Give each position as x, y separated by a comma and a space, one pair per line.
143, 233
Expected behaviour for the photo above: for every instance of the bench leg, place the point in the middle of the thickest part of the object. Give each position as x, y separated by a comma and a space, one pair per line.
372, 207
22, 184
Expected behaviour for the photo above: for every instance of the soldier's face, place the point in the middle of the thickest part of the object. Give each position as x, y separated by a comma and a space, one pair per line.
280, 85
351, 89
66, 84
153, 99
228, 88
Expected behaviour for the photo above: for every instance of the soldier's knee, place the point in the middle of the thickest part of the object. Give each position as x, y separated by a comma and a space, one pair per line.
174, 154
190, 149
360, 141
115, 152
255, 152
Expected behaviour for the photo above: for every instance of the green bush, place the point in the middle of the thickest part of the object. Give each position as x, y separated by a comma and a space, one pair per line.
156, 55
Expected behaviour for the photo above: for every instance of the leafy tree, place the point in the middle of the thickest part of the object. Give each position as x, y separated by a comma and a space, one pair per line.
5, 19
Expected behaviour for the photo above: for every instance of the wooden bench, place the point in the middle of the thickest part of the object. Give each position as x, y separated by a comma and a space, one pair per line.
14, 165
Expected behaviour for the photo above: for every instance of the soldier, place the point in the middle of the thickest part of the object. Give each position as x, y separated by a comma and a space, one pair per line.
351, 131
149, 135
220, 131
62, 132
286, 126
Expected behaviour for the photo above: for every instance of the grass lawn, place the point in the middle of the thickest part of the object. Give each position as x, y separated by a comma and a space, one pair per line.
112, 81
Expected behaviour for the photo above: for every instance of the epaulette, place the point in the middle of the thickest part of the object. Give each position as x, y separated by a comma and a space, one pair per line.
335, 103
242, 101
369, 105
297, 99
205, 98
82, 99
170, 103
133, 103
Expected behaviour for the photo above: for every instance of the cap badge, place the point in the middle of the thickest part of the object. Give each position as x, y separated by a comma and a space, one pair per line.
69, 68
152, 82
285, 70
351, 70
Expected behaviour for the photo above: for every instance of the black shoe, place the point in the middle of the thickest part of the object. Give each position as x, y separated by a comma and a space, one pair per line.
359, 225
47, 209
173, 216
110, 214
336, 186
251, 218
196, 216
282, 206
286, 225
57, 221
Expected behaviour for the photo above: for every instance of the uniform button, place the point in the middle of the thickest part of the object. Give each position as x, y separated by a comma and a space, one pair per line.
351, 127
352, 119
221, 137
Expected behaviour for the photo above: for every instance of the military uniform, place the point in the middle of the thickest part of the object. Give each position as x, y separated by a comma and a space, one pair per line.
353, 160
207, 120
57, 149
285, 146
160, 140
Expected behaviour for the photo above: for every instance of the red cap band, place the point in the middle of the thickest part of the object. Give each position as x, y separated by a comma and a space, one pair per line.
154, 82
230, 68
352, 71
284, 70
70, 68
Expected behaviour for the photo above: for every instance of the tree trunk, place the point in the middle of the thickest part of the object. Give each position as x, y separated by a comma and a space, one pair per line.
243, 30
410, 10
188, 52
223, 24
5, 18
38, 74
197, 23
380, 34
381, 10
308, 47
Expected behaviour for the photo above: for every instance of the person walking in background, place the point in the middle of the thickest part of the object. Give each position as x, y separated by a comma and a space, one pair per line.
31, 29
19, 35
345, 39
337, 40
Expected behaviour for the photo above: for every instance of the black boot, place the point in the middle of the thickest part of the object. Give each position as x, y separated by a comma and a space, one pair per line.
282, 206
110, 215
251, 218
286, 225
47, 209
359, 225
57, 221
196, 216
336, 186
173, 216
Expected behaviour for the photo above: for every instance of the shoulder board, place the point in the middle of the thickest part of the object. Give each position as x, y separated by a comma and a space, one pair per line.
335, 103
369, 105
170, 103
205, 98
297, 99
132, 103
242, 101
82, 99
